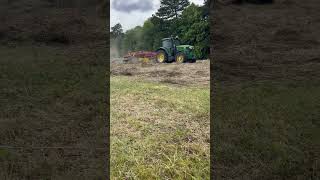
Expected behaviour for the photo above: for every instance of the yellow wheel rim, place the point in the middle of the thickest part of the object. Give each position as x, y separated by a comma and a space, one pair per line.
180, 59
160, 57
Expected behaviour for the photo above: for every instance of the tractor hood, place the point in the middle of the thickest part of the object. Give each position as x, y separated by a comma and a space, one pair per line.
188, 50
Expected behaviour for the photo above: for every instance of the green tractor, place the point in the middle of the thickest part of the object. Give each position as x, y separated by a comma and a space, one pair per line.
172, 50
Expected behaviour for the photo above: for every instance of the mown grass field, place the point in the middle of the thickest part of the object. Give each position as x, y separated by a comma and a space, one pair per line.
52, 97
266, 130
158, 130
266, 114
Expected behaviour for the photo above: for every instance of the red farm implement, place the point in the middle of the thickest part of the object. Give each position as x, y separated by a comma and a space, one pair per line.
144, 56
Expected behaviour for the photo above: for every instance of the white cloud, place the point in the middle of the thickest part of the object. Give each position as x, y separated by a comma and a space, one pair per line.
132, 18
134, 5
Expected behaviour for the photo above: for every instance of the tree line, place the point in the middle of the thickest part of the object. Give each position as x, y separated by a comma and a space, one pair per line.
189, 22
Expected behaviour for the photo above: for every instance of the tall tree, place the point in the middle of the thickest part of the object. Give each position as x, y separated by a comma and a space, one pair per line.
116, 37
170, 9
194, 29
161, 30
206, 8
132, 39
116, 30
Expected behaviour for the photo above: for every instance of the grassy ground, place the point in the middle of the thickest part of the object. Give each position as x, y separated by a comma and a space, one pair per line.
267, 131
266, 103
52, 96
158, 131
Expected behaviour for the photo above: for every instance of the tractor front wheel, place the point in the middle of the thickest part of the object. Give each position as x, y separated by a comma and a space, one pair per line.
180, 57
162, 56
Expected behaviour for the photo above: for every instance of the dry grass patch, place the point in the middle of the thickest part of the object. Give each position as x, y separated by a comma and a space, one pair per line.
158, 131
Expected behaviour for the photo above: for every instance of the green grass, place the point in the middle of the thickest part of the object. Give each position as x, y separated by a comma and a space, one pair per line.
51, 97
159, 131
268, 131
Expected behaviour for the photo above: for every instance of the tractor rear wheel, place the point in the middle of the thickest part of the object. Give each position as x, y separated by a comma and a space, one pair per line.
180, 57
162, 56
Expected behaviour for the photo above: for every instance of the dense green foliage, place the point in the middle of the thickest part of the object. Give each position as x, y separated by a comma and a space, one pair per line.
171, 9
174, 18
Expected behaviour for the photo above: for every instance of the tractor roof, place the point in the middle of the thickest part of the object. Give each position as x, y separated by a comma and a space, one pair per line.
184, 46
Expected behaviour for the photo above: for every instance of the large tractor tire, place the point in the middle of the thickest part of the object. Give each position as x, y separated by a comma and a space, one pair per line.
180, 57
162, 56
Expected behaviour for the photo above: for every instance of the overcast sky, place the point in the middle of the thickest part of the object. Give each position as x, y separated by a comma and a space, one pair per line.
131, 13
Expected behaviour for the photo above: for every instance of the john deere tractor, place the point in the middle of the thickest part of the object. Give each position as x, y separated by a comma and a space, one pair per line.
172, 50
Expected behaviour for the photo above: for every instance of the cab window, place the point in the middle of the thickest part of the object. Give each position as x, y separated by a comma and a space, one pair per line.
166, 43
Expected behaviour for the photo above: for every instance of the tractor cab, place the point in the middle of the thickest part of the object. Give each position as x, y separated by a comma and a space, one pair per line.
172, 50
171, 45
